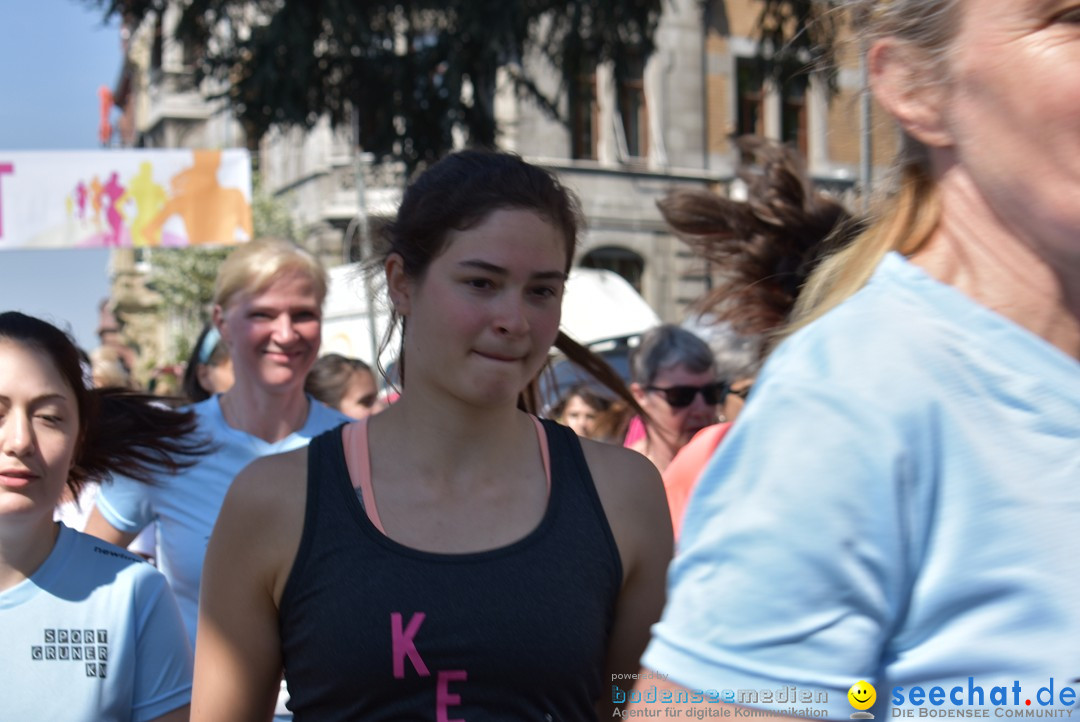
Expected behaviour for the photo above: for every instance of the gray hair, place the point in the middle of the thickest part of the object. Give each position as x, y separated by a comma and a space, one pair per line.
737, 356
666, 346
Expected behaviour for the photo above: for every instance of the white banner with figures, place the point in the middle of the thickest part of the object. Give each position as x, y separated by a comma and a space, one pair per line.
124, 198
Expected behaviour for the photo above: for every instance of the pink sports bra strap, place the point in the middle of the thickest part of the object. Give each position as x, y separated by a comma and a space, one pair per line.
544, 455
354, 437
358, 460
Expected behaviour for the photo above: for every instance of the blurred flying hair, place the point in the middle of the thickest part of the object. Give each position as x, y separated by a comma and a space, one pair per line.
765, 247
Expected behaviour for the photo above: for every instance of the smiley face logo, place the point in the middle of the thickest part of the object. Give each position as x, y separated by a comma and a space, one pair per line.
862, 695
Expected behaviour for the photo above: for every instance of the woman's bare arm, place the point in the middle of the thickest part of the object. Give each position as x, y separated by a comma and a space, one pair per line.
238, 646
636, 507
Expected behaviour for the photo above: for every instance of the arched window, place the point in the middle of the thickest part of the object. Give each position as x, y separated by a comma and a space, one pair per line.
622, 261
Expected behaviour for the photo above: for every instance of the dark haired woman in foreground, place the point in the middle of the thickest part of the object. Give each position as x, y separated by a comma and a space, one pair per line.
451, 557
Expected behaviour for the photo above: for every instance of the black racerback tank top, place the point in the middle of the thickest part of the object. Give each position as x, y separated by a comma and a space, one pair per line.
374, 630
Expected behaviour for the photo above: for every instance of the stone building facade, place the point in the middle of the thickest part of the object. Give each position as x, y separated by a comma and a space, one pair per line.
624, 146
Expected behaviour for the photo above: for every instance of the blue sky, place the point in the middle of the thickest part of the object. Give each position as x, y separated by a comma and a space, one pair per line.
54, 54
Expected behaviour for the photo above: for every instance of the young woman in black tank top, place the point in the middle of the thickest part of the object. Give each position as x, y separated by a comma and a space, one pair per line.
473, 579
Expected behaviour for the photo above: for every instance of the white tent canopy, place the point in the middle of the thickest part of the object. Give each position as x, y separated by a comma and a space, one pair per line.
600, 305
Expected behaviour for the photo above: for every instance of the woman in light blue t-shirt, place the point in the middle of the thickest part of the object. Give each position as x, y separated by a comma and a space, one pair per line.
897, 506
268, 301
90, 631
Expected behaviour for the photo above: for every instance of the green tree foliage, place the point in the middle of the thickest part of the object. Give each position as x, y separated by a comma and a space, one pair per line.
270, 214
184, 278
796, 37
414, 69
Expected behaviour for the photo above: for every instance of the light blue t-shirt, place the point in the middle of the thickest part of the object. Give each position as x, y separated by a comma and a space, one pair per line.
186, 505
94, 635
898, 503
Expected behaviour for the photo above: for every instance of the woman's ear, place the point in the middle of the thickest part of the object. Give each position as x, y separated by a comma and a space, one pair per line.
217, 317
900, 77
638, 393
398, 284
202, 375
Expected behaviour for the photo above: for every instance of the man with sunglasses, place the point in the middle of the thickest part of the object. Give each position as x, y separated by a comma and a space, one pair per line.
674, 380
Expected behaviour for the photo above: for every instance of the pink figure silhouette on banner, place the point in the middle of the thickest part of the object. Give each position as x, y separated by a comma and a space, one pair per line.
112, 192
80, 199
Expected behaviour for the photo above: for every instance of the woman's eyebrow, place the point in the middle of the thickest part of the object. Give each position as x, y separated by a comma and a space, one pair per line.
493, 268
38, 399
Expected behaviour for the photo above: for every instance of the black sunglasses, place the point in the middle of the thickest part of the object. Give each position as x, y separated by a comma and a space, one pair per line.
679, 397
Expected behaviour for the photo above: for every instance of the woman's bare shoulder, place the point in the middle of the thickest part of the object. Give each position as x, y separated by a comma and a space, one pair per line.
613, 461
271, 482
262, 519
628, 484
636, 508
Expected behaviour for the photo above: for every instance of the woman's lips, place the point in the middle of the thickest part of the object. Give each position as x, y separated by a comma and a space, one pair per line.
498, 357
14, 479
283, 356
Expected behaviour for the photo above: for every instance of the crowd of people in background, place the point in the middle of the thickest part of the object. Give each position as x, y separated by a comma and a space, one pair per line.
855, 460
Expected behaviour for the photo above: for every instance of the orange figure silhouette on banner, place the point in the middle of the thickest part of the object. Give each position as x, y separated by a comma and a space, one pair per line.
211, 213
105, 98
95, 199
